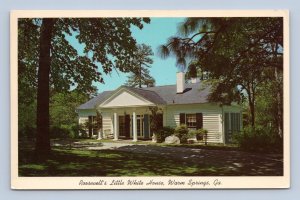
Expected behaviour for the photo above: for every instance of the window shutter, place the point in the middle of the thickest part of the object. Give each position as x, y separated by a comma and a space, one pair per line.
182, 118
199, 120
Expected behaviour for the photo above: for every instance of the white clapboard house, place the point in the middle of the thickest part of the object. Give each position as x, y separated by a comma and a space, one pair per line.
125, 112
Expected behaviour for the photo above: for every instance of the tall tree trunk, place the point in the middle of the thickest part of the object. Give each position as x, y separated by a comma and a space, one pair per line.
279, 106
42, 148
250, 92
252, 113
140, 72
279, 98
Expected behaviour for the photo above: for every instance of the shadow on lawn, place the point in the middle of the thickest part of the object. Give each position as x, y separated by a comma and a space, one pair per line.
217, 162
141, 160
100, 163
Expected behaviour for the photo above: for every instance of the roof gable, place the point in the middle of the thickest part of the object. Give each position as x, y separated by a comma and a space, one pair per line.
91, 104
125, 98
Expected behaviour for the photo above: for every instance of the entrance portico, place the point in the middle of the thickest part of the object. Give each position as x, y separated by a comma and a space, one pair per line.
130, 123
130, 114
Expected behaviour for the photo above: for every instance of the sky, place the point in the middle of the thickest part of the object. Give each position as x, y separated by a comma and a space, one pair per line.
154, 34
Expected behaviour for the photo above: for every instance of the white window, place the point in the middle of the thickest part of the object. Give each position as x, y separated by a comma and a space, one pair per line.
191, 121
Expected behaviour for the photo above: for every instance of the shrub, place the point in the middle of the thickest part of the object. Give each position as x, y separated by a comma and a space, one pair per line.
63, 131
27, 132
201, 133
163, 133
192, 133
78, 131
258, 140
58, 132
182, 133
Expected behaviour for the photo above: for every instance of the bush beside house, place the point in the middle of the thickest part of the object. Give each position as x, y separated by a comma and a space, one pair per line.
258, 140
182, 133
163, 133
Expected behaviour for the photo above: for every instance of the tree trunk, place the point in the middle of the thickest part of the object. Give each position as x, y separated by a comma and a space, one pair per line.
42, 148
278, 97
140, 72
251, 97
252, 113
279, 107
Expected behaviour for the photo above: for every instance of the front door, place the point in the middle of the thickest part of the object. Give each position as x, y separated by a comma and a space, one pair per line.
124, 126
127, 126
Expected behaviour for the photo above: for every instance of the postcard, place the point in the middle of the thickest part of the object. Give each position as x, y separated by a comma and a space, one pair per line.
150, 99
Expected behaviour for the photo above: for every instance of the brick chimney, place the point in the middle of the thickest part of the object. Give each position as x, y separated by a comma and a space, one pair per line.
180, 82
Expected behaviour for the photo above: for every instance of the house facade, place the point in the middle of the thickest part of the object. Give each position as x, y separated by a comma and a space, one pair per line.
125, 113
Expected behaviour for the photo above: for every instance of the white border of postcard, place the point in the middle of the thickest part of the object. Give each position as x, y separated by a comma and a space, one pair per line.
203, 182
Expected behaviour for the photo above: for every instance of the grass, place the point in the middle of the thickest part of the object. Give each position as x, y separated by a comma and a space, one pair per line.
69, 161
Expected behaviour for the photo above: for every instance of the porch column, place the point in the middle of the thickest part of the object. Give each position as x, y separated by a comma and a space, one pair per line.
134, 127
100, 134
115, 126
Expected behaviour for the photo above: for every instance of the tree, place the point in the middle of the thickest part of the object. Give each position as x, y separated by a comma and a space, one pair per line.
140, 76
63, 107
235, 54
155, 121
54, 63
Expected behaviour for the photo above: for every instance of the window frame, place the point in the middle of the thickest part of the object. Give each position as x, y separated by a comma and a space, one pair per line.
194, 120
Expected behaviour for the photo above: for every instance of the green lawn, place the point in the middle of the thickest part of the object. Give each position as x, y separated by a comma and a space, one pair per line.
65, 162
141, 161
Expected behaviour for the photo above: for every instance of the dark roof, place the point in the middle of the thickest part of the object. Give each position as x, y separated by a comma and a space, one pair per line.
96, 100
194, 93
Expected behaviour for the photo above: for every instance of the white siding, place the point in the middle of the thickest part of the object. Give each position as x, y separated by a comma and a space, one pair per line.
82, 120
212, 118
107, 122
211, 122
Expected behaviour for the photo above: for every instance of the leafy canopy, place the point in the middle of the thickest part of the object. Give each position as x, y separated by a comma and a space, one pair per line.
107, 43
237, 55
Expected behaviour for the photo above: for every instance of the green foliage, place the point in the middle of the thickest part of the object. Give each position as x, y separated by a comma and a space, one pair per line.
98, 123
66, 131
192, 133
259, 140
270, 100
60, 132
250, 51
26, 117
63, 107
107, 41
182, 133
163, 133
155, 120
135, 80
27, 132
201, 134
108, 45
140, 74
63, 116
